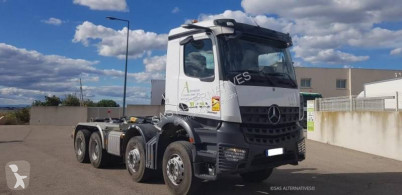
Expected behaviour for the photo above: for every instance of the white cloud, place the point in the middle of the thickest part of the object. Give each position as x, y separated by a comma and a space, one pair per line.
261, 20
111, 5
26, 75
322, 29
12, 95
311, 48
53, 21
176, 10
32, 70
154, 69
396, 51
379, 37
117, 91
297, 64
329, 11
155, 63
332, 56
347, 66
113, 43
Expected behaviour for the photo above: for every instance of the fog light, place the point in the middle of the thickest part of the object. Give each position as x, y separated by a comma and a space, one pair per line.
234, 154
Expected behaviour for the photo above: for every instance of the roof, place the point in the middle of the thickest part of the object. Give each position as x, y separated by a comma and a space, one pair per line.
218, 25
178, 30
311, 94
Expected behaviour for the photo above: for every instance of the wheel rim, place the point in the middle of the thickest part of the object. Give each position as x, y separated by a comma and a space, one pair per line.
175, 169
134, 159
79, 145
95, 147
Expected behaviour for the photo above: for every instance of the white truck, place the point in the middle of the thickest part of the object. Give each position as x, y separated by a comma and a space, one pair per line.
231, 107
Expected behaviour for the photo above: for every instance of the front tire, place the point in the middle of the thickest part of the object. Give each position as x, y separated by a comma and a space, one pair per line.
177, 168
81, 145
99, 158
135, 159
257, 176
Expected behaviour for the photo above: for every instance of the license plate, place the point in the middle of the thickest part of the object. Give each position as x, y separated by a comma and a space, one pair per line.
274, 152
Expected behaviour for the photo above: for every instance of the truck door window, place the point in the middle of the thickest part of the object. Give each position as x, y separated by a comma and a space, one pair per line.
199, 58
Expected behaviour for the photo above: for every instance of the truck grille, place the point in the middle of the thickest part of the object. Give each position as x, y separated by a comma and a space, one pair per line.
266, 135
258, 130
259, 115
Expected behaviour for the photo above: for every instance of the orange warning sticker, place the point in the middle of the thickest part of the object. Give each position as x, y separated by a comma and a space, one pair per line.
216, 105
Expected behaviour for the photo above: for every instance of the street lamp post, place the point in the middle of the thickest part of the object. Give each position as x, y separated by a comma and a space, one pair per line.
125, 70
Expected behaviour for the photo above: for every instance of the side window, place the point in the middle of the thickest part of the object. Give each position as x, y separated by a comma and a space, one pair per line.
341, 83
199, 58
305, 83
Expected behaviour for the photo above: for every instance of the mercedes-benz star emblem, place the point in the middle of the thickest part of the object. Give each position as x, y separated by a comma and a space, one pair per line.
274, 114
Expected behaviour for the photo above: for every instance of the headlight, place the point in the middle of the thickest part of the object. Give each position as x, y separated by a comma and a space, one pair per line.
234, 154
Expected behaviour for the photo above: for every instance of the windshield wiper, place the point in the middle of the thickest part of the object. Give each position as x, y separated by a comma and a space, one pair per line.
283, 74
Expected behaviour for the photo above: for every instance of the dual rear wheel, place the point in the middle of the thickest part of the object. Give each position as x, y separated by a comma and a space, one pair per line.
88, 148
176, 166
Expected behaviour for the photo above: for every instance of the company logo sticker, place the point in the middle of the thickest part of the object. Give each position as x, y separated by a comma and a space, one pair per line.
216, 105
17, 174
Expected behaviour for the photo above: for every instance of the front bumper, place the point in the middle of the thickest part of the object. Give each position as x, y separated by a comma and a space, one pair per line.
232, 135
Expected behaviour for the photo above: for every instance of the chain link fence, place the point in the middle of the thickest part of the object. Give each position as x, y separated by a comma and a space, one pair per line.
353, 103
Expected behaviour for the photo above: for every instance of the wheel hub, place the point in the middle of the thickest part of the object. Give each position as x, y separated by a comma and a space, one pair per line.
80, 146
95, 154
175, 169
133, 159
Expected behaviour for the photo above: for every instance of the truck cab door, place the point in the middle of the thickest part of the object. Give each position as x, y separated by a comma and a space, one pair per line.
199, 93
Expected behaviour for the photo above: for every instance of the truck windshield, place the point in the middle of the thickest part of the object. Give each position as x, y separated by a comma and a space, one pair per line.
267, 62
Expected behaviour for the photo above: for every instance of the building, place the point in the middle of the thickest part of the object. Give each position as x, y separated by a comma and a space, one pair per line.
334, 82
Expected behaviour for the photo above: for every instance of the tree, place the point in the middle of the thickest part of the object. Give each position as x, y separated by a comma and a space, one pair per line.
38, 103
23, 115
71, 100
89, 103
107, 103
52, 101
49, 101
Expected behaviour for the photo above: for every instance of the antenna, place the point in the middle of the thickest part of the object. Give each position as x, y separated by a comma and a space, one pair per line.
81, 95
253, 19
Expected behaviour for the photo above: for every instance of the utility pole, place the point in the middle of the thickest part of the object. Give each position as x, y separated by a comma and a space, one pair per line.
125, 70
81, 94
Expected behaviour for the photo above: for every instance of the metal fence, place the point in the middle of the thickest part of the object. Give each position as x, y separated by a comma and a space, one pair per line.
353, 103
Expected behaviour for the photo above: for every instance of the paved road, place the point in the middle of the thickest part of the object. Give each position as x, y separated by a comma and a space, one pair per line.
54, 170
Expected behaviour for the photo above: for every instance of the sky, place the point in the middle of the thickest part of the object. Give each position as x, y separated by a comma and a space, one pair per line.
46, 46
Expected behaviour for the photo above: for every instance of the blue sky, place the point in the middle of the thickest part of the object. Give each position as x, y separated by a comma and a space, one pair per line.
46, 45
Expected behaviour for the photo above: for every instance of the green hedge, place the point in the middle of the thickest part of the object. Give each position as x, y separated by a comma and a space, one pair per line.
18, 117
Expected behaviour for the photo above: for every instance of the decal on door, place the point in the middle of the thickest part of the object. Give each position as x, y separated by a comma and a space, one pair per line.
216, 104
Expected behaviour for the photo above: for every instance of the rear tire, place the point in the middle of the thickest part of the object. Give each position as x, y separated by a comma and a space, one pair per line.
178, 170
135, 159
99, 158
81, 145
256, 176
